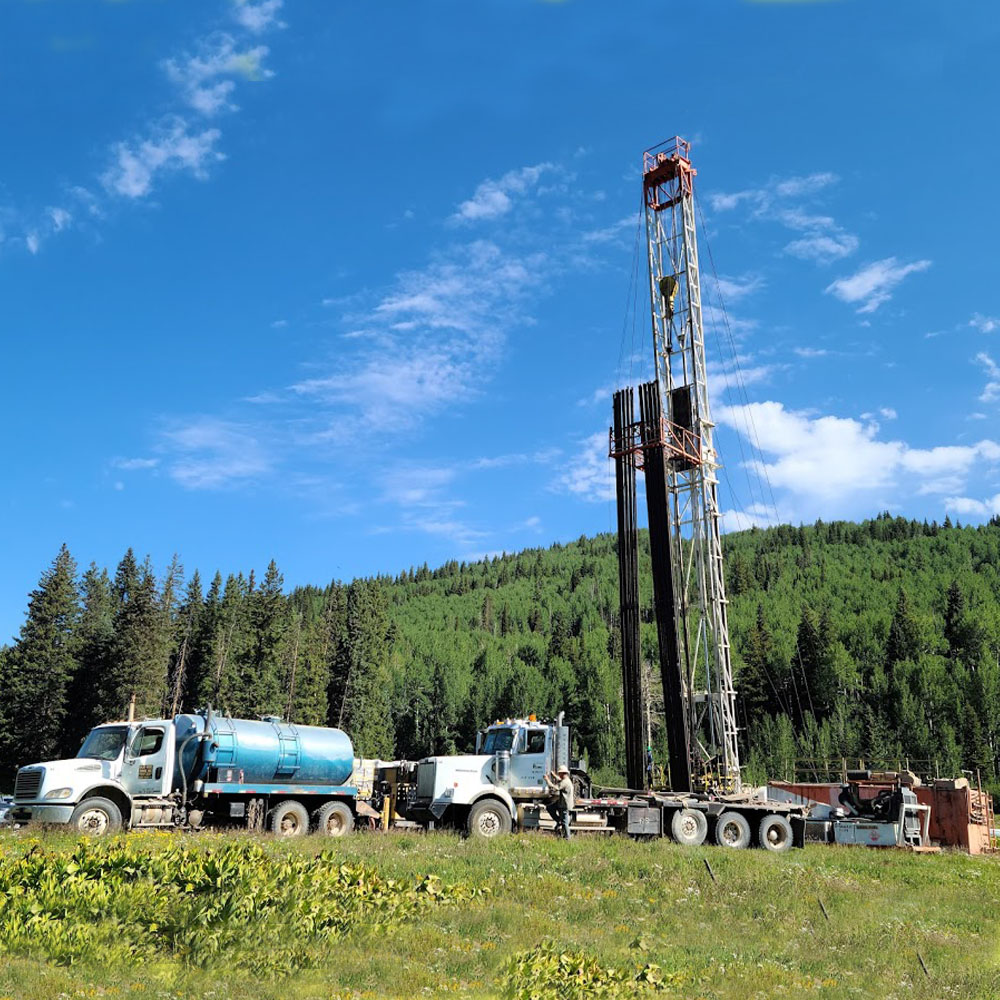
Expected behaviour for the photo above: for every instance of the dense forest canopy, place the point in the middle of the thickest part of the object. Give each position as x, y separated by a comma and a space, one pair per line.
878, 640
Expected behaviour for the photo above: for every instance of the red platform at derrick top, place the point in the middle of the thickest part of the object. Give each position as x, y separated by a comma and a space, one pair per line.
667, 174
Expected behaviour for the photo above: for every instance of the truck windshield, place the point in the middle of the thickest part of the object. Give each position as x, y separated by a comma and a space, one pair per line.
105, 743
498, 739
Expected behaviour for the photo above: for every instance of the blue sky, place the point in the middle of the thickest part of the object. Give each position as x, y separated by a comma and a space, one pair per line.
349, 285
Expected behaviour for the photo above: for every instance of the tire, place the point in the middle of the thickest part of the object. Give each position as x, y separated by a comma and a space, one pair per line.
289, 819
689, 827
581, 785
335, 819
96, 817
488, 819
775, 834
732, 830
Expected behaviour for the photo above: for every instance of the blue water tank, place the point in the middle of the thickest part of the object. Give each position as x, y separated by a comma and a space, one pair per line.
268, 751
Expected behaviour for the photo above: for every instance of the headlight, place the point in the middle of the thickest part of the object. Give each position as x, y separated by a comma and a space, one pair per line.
59, 793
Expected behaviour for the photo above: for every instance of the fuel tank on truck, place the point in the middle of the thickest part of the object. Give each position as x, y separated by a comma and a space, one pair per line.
266, 751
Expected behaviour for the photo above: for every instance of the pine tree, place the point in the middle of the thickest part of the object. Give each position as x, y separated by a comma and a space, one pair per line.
39, 670
138, 655
262, 670
182, 665
95, 632
369, 685
904, 640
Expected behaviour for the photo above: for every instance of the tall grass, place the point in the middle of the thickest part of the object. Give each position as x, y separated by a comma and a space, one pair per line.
168, 916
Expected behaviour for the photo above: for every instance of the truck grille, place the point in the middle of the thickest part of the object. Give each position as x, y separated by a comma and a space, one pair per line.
28, 783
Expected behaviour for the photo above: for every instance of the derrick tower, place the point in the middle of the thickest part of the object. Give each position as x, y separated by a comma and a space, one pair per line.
673, 444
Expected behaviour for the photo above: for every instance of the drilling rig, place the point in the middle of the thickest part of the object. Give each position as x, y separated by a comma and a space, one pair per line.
672, 444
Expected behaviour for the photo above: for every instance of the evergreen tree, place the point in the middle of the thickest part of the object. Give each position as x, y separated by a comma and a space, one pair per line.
138, 666
94, 635
39, 670
262, 668
368, 694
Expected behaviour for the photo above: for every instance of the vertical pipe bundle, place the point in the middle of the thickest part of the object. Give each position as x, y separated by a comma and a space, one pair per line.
657, 504
628, 583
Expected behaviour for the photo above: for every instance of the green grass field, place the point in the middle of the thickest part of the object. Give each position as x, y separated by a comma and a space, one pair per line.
170, 916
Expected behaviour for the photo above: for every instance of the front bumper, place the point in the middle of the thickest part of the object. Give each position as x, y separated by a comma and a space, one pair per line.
35, 812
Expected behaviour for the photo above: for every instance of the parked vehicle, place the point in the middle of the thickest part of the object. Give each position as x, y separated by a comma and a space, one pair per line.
501, 788
196, 770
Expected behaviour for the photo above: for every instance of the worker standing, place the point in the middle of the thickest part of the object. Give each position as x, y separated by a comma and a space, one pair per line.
561, 806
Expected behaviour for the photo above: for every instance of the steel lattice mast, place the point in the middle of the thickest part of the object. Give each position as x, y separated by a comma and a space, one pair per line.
692, 495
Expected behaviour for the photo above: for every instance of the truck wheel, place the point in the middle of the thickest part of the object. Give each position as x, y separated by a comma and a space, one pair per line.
487, 819
96, 817
732, 830
334, 819
290, 819
689, 827
775, 833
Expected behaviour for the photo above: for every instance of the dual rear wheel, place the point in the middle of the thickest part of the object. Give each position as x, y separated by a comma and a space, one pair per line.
732, 830
291, 819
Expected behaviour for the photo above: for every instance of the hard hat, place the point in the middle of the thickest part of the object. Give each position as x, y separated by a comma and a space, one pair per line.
563, 770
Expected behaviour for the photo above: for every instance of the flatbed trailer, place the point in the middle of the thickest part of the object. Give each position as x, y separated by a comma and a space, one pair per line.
735, 821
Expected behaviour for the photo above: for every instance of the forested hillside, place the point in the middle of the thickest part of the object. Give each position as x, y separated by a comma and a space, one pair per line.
876, 640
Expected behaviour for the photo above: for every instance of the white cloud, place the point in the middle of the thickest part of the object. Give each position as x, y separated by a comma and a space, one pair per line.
133, 464
887, 413
824, 248
258, 17
796, 187
432, 341
811, 352
873, 284
972, 507
991, 392
984, 324
206, 78
836, 466
209, 453
823, 241
33, 242
721, 379
590, 476
738, 288
59, 218
617, 231
494, 198
170, 148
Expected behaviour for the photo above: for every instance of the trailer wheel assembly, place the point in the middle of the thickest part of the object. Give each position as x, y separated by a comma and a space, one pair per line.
689, 827
289, 819
775, 834
732, 830
96, 817
488, 818
334, 820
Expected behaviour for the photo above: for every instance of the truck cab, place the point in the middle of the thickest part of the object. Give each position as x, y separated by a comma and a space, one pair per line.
121, 776
485, 792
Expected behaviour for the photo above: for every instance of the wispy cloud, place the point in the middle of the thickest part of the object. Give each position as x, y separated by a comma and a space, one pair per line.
823, 241
258, 17
991, 391
133, 464
431, 341
874, 284
589, 476
207, 79
494, 198
733, 289
175, 140
208, 453
984, 324
171, 147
